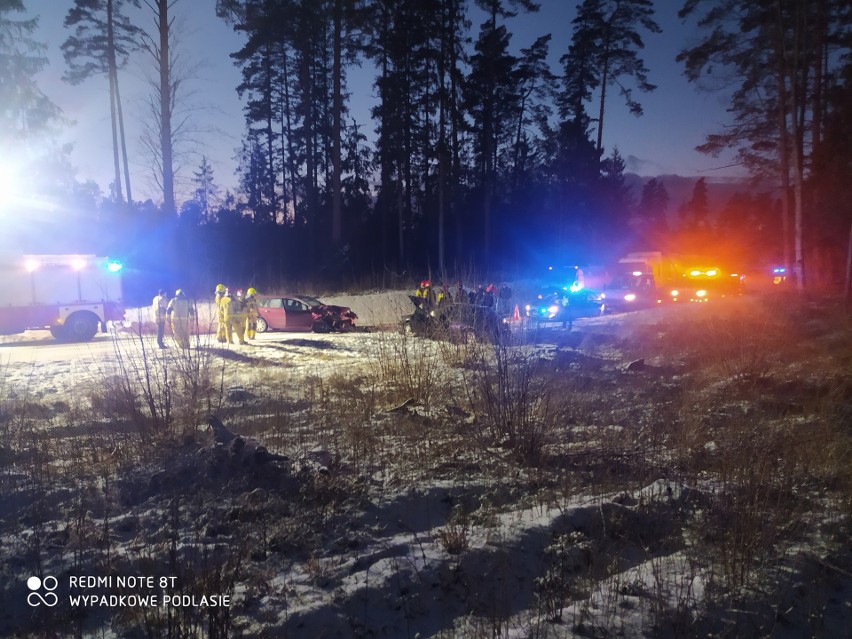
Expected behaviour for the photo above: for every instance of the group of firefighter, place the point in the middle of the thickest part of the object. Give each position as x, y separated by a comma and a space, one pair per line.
483, 295
236, 315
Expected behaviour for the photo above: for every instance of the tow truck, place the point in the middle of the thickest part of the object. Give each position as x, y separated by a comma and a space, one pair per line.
73, 296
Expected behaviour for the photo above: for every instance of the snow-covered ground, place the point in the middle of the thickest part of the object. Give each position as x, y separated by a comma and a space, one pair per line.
355, 491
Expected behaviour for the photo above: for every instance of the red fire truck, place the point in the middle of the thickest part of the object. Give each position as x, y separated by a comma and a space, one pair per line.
72, 295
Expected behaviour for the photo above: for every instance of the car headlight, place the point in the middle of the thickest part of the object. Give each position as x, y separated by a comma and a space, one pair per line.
701, 293
553, 310
630, 297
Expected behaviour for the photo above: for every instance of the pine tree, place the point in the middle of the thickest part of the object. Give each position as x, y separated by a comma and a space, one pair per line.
102, 41
653, 205
608, 34
784, 55
26, 112
206, 192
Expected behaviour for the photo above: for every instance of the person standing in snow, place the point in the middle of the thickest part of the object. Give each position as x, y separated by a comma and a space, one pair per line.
251, 313
181, 311
158, 309
221, 326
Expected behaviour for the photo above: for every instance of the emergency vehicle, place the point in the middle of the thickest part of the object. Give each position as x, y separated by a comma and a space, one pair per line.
73, 296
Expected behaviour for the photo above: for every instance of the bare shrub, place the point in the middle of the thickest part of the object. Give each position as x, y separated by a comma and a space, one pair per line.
157, 391
566, 558
454, 536
409, 365
515, 400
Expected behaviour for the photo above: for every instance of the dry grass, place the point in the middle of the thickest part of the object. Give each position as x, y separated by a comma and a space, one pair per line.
744, 406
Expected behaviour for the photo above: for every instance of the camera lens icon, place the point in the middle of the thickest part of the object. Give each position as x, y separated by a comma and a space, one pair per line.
35, 598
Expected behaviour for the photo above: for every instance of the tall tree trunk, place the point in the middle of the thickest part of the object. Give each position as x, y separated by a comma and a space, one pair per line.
604, 80
270, 139
166, 109
307, 99
337, 110
792, 68
113, 109
298, 220
442, 139
784, 174
123, 139
113, 117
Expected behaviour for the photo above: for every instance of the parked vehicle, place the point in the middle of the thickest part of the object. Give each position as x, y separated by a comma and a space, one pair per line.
564, 306
73, 296
630, 291
455, 322
302, 313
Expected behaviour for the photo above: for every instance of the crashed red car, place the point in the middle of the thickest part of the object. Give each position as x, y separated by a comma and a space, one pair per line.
302, 313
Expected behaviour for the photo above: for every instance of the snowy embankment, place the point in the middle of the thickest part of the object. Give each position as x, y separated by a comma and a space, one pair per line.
385, 308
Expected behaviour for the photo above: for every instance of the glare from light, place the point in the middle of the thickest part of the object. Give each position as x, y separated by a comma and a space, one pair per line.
528, 307
637, 273
630, 297
31, 265
701, 293
575, 287
114, 266
712, 272
695, 273
675, 293
78, 263
553, 310
9, 186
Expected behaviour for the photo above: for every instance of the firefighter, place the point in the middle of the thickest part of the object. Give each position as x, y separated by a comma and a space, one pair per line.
158, 310
251, 313
488, 296
221, 326
461, 295
444, 296
235, 316
180, 311
504, 297
426, 293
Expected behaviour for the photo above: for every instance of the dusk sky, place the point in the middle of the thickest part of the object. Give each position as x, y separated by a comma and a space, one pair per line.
677, 116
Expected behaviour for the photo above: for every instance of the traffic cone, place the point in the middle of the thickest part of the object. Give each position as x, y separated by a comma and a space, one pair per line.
516, 316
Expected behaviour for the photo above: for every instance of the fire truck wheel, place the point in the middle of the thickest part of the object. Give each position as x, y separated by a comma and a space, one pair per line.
80, 327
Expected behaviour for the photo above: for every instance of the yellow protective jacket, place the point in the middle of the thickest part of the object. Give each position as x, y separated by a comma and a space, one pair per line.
251, 306
234, 307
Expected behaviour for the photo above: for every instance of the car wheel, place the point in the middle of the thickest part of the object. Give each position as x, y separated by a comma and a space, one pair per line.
79, 327
320, 327
346, 327
262, 325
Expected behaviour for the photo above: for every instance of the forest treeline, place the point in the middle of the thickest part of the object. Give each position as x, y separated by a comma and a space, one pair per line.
479, 155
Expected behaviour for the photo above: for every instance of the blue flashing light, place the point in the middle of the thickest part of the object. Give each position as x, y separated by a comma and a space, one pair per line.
114, 266
779, 270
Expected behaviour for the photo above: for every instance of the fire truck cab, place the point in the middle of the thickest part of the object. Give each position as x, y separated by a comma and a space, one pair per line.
73, 296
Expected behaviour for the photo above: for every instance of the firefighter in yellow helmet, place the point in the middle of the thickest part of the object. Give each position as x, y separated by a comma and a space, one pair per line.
235, 316
181, 312
251, 313
221, 326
